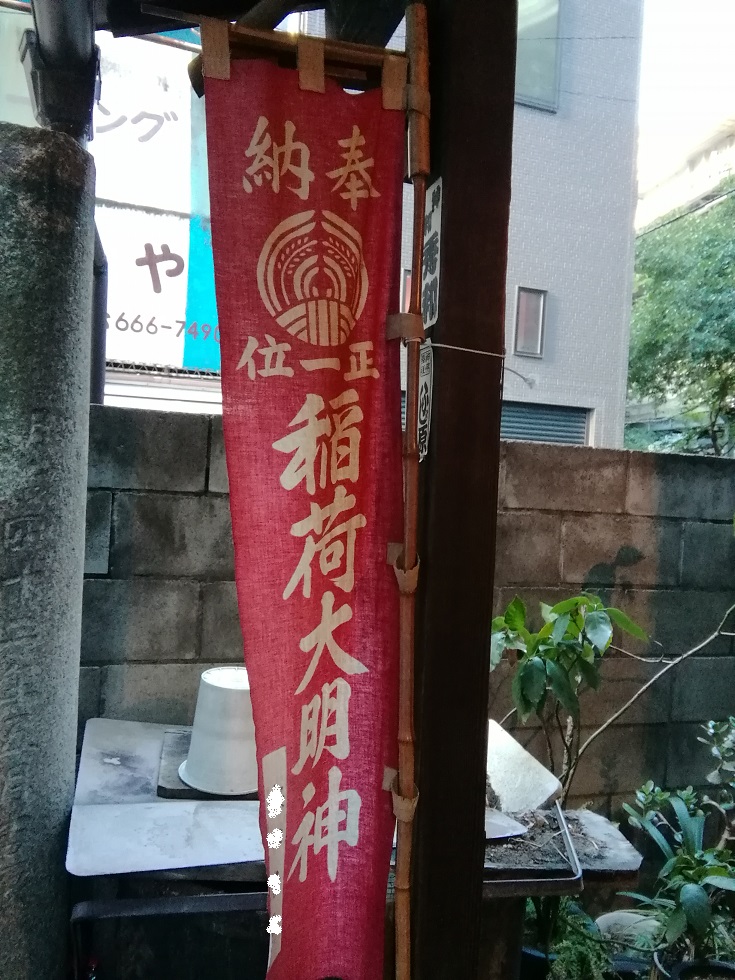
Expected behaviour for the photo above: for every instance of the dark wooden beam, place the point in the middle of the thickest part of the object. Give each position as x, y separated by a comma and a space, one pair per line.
363, 21
472, 47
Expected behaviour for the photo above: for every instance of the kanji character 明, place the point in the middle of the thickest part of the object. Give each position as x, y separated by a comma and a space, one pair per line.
152, 260
322, 638
332, 540
109, 126
361, 363
328, 826
273, 355
353, 174
324, 724
156, 119
323, 441
431, 255
290, 158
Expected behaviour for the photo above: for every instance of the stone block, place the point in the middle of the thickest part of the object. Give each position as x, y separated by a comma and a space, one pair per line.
221, 633
139, 619
89, 694
134, 449
662, 484
606, 550
528, 548
704, 689
218, 479
675, 620
688, 761
619, 761
564, 478
708, 556
97, 533
160, 693
172, 535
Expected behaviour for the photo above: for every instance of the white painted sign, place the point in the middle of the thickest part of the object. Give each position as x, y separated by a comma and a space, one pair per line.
432, 254
426, 379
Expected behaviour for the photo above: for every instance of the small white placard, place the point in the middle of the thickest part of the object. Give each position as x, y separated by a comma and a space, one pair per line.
426, 378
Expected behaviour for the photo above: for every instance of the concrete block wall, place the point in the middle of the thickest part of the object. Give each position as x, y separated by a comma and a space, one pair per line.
651, 534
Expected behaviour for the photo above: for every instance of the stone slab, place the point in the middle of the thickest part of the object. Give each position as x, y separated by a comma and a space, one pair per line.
662, 484
218, 478
528, 548
221, 632
519, 780
97, 533
172, 535
139, 620
155, 693
137, 449
607, 550
708, 556
569, 478
704, 689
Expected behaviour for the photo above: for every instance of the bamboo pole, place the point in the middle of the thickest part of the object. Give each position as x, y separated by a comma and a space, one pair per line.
418, 142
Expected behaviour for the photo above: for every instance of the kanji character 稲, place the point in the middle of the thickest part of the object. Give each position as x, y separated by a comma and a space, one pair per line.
333, 540
322, 638
329, 826
361, 363
345, 440
430, 297
309, 460
324, 718
156, 119
431, 255
290, 158
152, 260
353, 174
109, 126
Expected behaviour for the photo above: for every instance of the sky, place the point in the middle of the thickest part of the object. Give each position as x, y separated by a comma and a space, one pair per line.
687, 80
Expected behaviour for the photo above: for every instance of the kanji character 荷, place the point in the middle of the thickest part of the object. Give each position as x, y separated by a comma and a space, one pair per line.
322, 638
290, 158
333, 540
325, 718
329, 826
353, 174
152, 260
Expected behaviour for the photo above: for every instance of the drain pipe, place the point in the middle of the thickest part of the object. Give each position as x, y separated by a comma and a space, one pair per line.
98, 361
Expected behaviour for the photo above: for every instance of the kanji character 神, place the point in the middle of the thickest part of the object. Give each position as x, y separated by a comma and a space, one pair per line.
325, 717
291, 158
329, 826
157, 121
322, 638
152, 260
361, 363
321, 441
273, 355
334, 543
353, 174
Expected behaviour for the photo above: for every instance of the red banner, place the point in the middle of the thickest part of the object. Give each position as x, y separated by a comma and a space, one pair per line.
306, 210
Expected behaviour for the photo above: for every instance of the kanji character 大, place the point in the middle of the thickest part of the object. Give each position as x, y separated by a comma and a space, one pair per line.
153, 259
325, 724
322, 638
329, 826
290, 158
332, 540
353, 174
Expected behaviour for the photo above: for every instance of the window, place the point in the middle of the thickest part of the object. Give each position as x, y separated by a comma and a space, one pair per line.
530, 304
537, 59
561, 424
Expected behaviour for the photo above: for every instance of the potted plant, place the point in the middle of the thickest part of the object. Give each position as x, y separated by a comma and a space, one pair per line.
552, 668
696, 887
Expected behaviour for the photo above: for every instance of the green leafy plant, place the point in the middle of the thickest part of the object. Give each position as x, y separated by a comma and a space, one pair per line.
719, 737
570, 939
554, 665
693, 901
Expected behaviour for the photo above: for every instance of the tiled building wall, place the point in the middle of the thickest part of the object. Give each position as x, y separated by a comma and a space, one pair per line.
651, 534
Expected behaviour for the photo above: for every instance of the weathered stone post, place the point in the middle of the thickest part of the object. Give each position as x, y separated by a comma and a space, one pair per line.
46, 248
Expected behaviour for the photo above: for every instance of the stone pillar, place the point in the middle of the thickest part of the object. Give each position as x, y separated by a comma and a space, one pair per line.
46, 249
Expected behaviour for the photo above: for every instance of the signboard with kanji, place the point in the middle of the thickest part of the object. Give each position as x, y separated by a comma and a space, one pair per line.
432, 254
